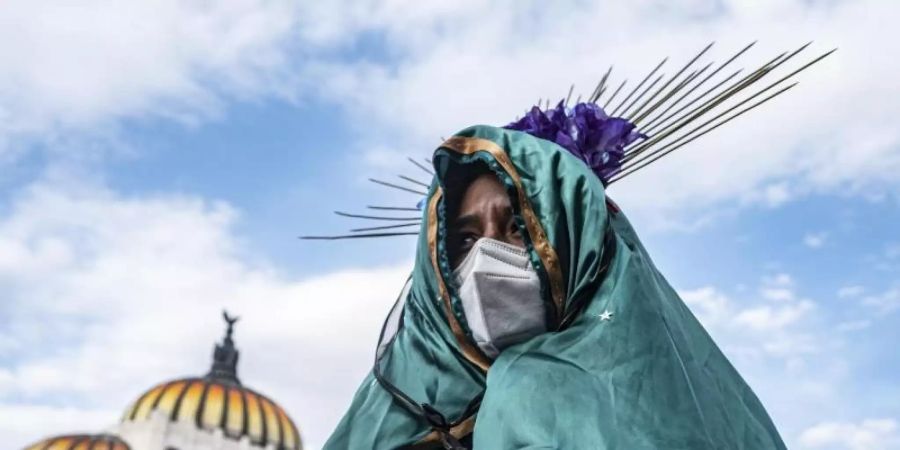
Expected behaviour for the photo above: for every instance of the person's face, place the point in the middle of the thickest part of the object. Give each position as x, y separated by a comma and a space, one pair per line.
484, 211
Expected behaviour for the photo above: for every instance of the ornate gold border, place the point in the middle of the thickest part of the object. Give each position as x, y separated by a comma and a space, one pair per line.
546, 252
468, 146
468, 350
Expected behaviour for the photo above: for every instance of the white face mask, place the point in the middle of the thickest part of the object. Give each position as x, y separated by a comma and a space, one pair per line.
501, 295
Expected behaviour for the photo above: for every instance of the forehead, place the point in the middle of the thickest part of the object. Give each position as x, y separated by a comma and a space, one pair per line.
484, 192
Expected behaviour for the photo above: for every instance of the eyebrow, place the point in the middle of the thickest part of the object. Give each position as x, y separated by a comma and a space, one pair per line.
468, 219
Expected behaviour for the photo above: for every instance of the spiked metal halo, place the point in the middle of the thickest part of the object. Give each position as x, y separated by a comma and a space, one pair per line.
667, 118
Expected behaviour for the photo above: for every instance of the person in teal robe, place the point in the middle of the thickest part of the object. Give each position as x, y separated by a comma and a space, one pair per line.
623, 364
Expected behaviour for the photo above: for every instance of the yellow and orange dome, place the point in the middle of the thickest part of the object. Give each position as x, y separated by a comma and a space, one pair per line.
81, 442
210, 403
219, 401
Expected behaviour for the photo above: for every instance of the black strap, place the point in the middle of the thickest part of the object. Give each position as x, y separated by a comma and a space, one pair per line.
437, 421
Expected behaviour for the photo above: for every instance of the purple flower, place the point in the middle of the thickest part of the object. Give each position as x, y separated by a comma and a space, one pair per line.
586, 131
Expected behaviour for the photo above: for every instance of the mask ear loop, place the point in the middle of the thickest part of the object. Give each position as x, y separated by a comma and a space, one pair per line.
424, 411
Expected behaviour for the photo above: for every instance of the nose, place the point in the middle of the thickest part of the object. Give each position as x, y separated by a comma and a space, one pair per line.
495, 232
499, 230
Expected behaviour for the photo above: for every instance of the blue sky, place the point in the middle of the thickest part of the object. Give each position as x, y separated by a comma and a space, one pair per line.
159, 162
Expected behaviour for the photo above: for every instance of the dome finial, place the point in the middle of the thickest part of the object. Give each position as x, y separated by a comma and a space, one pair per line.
230, 321
225, 356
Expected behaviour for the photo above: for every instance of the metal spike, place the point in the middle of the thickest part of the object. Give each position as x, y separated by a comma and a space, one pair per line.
569, 96
667, 121
643, 93
737, 86
613, 96
641, 84
703, 81
393, 208
700, 127
649, 125
666, 150
578, 100
364, 216
356, 236
414, 181
386, 227
601, 86
670, 81
692, 115
715, 101
603, 81
391, 185
681, 85
668, 126
422, 166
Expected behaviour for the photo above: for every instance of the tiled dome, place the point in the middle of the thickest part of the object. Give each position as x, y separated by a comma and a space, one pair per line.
81, 442
211, 404
219, 401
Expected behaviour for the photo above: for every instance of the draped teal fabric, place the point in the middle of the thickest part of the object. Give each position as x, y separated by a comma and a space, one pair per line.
633, 370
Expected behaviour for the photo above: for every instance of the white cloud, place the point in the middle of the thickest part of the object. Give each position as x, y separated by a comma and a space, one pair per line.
25, 421
777, 287
868, 434
778, 279
773, 318
64, 67
773, 340
67, 67
854, 325
782, 294
770, 340
710, 305
776, 325
777, 194
815, 240
445, 71
850, 291
106, 295
885, 302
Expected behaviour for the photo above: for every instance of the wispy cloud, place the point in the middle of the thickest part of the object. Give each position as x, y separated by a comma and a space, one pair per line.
815, 240
850, 291
840, 142
66, 68
94, 282
885, 302
786, 337
868, 434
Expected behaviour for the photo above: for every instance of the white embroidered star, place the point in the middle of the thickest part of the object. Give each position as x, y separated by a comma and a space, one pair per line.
607, 315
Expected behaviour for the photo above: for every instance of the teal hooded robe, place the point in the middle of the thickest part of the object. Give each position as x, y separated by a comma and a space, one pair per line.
626, 365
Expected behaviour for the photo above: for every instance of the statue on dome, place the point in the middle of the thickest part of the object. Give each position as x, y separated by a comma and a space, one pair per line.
230, 320
225, 356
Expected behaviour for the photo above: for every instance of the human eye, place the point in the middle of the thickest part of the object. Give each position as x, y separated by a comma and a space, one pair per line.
513, 229
515, 234
467, 240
